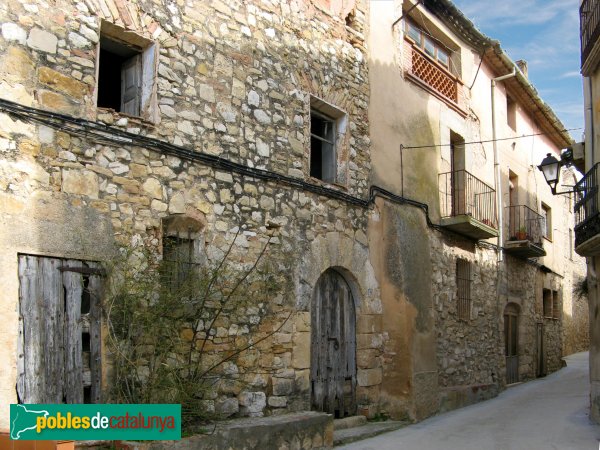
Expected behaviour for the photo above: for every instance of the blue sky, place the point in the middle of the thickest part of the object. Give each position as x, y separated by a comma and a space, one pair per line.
546, 34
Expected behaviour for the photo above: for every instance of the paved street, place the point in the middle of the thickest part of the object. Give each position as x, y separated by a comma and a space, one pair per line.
549, 413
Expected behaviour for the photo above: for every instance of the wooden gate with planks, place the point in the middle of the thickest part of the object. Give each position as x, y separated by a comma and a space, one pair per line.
59, 330
333, 346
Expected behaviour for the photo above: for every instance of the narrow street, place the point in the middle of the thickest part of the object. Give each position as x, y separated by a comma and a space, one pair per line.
549, 413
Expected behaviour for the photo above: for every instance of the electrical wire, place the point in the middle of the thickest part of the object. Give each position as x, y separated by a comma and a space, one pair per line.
491, 140
478, 67
105, 134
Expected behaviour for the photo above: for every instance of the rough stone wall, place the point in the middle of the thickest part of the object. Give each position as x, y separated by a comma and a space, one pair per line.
466, 349
233, 80
576, 335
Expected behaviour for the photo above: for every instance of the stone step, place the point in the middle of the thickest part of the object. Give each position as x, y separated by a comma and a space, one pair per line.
348, 435
349, 422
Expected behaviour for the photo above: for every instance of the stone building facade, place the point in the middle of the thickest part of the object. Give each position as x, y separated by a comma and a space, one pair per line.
586, 206
277, 121
219, 134
481, 288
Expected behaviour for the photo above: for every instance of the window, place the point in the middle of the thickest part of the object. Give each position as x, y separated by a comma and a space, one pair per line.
431, 46
547, 221
463, 283
551, 304
126, 72
327, 126
547, 299
182, 251
511, 113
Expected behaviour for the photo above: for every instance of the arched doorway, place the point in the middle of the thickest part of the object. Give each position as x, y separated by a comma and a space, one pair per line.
333, 346
511, 342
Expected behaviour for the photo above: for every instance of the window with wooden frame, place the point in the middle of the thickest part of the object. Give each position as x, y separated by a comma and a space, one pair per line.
126, 72
327, 126
546, 221
547, 300
555, 303
428, 44
463, 284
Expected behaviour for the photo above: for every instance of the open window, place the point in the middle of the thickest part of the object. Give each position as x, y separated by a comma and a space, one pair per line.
511, 113
126, 72
327, 126
547, 221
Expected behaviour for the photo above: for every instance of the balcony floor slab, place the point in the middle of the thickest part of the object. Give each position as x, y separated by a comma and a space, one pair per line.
468, 226
591, 247
524, 249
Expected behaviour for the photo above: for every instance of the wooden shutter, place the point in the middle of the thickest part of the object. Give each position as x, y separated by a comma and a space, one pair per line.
131, 81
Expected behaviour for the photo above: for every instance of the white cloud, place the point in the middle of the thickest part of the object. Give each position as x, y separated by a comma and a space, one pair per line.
570, 74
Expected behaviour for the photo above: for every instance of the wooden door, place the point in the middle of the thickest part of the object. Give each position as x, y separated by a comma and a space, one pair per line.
457, 169
59, 331
333, 346
541, 350
511, 343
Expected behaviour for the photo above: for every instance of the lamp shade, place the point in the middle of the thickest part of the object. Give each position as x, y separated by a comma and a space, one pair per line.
550, 167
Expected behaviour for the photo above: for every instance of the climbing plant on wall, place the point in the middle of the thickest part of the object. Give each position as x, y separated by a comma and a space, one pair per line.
176, 329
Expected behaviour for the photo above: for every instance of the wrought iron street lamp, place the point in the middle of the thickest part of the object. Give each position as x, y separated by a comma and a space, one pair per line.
550, 167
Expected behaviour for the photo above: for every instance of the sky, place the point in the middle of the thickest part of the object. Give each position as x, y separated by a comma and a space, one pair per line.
545, 33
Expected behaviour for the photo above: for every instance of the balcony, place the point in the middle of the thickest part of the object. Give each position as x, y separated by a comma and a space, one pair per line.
589, 32
524, 232
468, 205
433, 77
587, 219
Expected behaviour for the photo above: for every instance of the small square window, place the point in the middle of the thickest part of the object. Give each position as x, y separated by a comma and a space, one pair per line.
126, 72
429, 47
413, 32
443, 58
327, 124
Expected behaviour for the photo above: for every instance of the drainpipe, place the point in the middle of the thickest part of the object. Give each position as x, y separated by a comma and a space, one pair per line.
498, 180
497, 164
589, 131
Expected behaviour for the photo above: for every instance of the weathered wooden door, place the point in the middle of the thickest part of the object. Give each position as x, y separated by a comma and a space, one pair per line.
333, 346
541, 350
59, 331
511, 342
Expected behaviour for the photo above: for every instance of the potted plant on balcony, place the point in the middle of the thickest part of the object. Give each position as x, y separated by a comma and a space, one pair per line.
521, 234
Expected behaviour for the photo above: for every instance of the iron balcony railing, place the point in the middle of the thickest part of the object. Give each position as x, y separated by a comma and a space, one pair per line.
589, 26
524, 224
462, 193
587, 219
